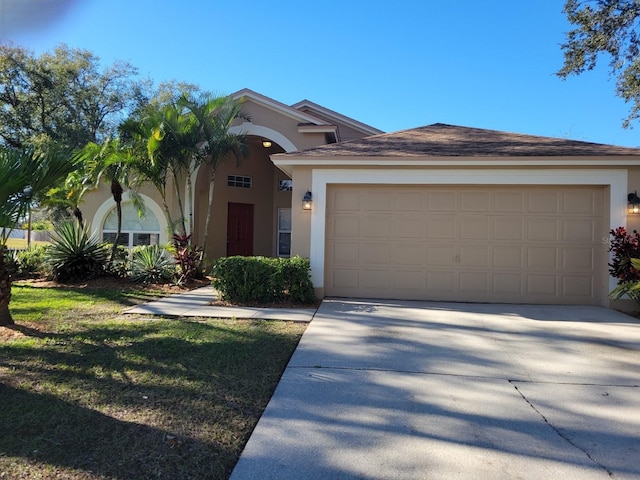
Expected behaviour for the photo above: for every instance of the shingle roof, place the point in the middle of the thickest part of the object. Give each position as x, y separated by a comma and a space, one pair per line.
439, 140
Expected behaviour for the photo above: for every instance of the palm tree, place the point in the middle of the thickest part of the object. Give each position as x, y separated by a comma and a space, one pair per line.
25, 174
113, 162
216, 117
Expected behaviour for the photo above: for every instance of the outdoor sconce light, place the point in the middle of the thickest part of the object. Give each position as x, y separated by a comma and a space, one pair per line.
633, 203
306, 201
266, 143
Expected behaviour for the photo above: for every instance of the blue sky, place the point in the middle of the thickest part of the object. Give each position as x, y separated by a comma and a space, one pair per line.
393, 64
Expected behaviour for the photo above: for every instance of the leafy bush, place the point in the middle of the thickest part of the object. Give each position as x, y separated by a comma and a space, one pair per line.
263, 280
187, 258
624, 247
152, 264
32, 261
10, 260
625, 264
75, 255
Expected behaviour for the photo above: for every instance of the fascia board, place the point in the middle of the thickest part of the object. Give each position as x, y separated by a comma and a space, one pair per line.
292, 159
278, 107
339, 117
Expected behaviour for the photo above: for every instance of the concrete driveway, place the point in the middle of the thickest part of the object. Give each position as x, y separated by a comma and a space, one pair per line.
411, 390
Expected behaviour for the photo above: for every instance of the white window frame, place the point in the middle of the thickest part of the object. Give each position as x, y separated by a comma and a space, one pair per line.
239, 181
130, 234
280, 231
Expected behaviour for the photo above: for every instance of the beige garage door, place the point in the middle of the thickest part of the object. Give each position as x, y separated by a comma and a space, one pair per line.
482, 244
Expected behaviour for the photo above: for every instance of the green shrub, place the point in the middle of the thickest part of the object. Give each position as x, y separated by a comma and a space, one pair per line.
75, 255
119, 266
32, 261
152, 264
263, 280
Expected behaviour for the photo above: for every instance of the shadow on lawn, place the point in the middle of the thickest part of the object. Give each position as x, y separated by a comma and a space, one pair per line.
48, 430
156, 400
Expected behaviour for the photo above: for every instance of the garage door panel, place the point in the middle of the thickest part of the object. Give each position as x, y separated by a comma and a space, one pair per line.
541, 285
344, 278
411, 201
508, 228
507, 283
345, 253
376, 226
443, 254
375, 281
441, 201
375, 253
409, 254
474, 282
474, 228
542, 258
579, 230
577, 259
441, 226
441, 282
543, 229
577, 286
581, 203
346, 201
543, 202
537, 244
346, 226
507, 256
474, 256
409, 280
475, 201
378, 201
410, 226
509, 202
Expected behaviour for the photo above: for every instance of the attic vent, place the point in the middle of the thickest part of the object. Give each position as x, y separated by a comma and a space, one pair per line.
330, 138
238, 181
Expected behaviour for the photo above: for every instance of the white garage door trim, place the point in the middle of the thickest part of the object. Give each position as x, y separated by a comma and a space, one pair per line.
615, 179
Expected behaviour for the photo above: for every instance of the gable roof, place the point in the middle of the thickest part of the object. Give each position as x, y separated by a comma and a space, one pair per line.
441, 140
306, 113
335, 117
279, 107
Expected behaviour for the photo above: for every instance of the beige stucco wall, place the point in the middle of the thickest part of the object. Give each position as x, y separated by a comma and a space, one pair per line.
285, 125
263, 195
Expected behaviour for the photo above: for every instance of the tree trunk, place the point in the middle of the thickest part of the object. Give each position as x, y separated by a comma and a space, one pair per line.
180, 205
116, 191
5, 290
209, 208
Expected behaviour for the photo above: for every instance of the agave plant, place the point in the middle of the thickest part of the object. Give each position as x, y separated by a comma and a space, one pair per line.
152, 264
75, 255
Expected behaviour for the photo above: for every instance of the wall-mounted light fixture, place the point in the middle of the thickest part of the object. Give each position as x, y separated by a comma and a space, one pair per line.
633, 203
266, 143
306, 201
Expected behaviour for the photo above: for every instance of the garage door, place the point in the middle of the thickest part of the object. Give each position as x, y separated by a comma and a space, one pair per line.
518, 244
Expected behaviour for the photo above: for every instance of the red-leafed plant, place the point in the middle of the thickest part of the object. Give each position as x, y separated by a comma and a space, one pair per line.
188, 259
625, 263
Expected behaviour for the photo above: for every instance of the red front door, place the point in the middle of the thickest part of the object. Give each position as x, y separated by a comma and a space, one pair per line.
240, 229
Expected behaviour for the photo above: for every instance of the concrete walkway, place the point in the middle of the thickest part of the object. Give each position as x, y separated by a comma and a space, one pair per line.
410, 390
197, 303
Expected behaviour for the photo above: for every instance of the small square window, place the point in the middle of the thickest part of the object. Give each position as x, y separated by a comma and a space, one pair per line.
285, 185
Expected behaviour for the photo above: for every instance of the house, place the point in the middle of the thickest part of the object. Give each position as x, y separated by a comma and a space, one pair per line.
451, 213
438, 212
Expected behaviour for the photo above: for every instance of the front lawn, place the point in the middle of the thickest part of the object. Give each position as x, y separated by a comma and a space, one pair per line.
89, 394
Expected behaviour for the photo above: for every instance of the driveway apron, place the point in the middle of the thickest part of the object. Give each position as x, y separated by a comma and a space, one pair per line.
416, 390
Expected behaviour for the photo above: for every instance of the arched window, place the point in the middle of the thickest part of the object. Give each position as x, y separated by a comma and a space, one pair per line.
136, 230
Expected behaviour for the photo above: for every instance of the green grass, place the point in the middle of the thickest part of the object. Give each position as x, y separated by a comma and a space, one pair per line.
21, 243
89, 394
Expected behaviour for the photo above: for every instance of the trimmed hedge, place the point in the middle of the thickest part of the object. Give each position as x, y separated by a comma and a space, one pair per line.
263, 280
